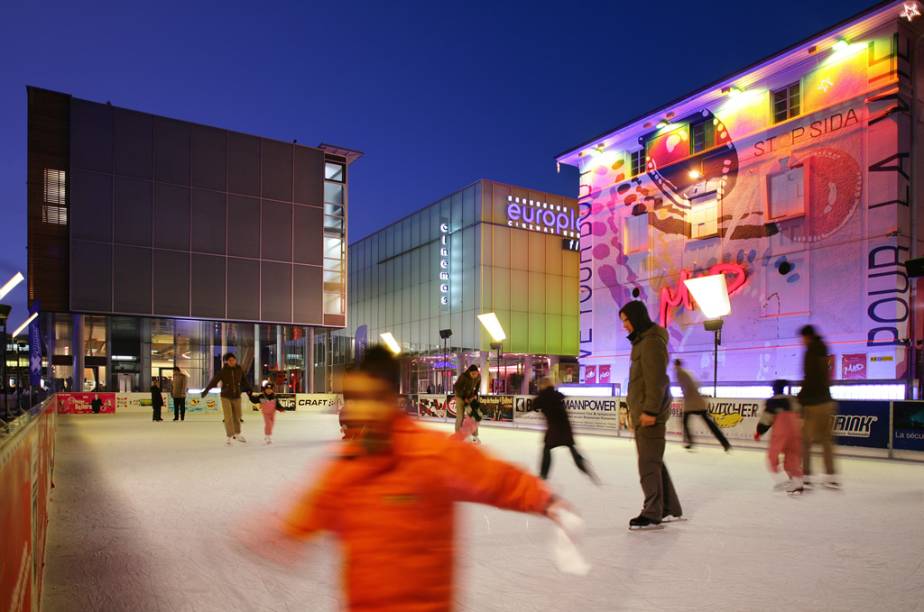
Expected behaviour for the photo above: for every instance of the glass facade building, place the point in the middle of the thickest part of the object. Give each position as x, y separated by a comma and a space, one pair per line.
489, 247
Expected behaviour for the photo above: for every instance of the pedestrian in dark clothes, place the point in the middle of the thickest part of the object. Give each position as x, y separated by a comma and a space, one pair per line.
694, 403
157, 400
551, 403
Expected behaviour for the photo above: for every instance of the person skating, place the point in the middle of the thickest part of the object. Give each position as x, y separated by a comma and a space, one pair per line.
233, 383
178, 392
465, 390
649, 400
782, 414
695, 404
818, 407
157, 400
390, 497
551, 403
268, 406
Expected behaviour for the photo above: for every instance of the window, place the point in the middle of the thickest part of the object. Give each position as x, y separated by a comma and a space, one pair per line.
785, 194
787, 102
334, 255
333, 193
704, 216
333, 172
638, 162
702, 137
54, 206
636, 233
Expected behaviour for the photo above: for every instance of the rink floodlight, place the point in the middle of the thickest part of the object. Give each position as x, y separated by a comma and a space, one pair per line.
711, 295
24, 324
11, 284
492, 325
389, 339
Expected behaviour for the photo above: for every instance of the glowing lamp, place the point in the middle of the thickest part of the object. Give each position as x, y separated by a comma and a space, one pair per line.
711, 294
695, 174
492, 326
662, 124
391, 343
841, 45
25, 324
11, 284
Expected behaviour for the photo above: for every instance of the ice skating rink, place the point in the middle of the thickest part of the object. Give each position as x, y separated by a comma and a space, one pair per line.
142, 517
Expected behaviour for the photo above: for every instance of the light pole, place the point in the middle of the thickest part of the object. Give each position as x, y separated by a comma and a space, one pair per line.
498, 346
492, 325
711, 295
445, 334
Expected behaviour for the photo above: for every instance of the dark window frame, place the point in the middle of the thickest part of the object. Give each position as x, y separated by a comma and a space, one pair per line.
786, 102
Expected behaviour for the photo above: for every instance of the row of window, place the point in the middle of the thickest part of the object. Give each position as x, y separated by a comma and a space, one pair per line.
334, 234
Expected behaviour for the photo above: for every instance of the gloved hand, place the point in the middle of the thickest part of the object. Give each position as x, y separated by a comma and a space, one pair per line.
202, 395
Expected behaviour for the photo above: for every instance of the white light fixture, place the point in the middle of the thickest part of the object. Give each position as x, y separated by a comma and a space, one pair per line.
11, 284
24, 324
391, 343
493, 326
695, 174
910, 10
841, 45
711, 295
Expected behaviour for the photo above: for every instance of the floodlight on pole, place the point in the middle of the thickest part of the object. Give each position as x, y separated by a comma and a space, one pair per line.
11, 284
389, 339
24, 324
711, 295
493, 326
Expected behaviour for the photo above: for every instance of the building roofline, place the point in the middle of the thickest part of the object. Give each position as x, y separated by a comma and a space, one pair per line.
876, 8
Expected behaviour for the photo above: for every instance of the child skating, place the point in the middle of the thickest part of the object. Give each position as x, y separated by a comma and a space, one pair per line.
782, 414
268, 406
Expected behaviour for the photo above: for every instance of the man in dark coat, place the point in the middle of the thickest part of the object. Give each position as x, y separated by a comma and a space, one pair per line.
817, 406
157, 400
233, 383
551, 403
649, 400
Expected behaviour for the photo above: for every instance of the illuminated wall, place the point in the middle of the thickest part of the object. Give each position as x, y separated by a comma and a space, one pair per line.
808, 216
461, 256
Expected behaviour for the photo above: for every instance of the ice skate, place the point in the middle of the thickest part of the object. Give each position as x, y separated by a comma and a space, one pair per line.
228, 441
781, 482
795, 487
240, 438
642, 523
830, 482
267, 440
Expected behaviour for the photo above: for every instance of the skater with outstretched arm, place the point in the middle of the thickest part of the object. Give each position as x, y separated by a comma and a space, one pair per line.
551, 403
782, 414
269, 405
695, 404
649, 400
233, 383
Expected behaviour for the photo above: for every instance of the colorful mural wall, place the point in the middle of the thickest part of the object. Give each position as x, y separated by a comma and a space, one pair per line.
796, 186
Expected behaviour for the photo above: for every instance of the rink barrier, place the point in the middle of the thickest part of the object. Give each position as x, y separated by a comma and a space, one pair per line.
27, 452
869, 428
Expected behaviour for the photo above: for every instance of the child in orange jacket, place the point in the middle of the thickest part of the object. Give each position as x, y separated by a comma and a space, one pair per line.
389, 496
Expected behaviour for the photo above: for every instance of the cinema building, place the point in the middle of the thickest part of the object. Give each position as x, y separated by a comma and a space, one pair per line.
487, 248
797, 178
156, 243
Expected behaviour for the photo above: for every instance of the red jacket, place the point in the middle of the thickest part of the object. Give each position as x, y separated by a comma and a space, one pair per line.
395, 514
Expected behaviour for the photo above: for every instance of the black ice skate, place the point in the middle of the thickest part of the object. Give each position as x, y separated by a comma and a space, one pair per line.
641, 523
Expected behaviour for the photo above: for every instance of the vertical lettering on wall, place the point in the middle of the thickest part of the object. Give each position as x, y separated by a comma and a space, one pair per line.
586, 338
444, 265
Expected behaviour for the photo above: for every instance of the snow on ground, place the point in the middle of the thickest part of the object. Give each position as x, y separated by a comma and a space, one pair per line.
142, 517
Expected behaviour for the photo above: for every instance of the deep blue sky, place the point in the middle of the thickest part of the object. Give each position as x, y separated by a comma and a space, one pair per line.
436, 95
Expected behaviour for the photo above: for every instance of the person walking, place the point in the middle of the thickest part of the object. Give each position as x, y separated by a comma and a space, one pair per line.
157, 400
268, 406
782, 414
465, 390
390, 497
818, 407
233, 383
695, 404
649, 400
551, 403
180, 387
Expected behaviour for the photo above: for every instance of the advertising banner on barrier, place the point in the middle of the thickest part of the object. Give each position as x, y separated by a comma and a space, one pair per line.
210, 404
135, 402
497, 408
434, 406
862, 423
737, 418
909, 426
286, 401
599, 414
81, 403
318, 402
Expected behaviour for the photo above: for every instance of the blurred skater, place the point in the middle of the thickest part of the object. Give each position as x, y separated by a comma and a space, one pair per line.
551, 403
782, 414
178, 392
465, 390
233, 383
389, 497
818, 407
268, 406
649, 399
157, 400
694, 404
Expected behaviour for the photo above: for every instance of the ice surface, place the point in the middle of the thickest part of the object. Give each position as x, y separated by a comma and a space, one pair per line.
143, 514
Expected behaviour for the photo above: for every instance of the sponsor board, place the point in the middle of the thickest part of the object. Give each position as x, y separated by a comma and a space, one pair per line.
496, 408
737, 418
210, 404
600, 414
908, 426
286, 401
81, 403
318, 402
434, 406
861, 423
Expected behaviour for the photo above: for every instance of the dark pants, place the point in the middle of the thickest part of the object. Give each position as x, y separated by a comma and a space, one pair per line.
156, 416
716, 431
660, 497
179, 408
547, 461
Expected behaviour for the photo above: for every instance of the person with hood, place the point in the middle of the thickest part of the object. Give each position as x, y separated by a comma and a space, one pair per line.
649, 400
551, 403
818, 407
466, 391
694, 404
233, 383
390, 496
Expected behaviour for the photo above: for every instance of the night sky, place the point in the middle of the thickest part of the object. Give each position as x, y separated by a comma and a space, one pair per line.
436, 95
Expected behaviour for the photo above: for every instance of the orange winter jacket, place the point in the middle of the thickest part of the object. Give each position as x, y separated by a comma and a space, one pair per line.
395, 514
